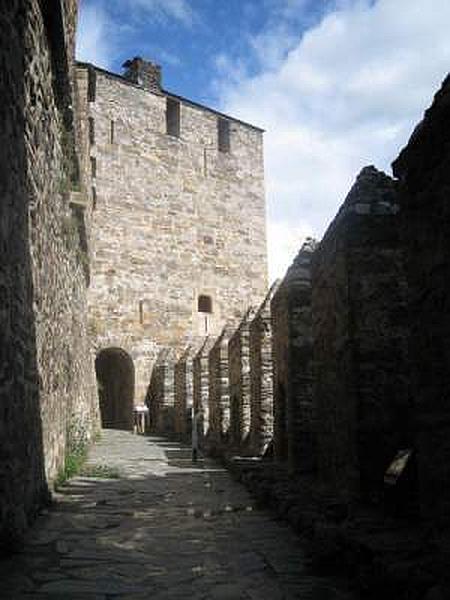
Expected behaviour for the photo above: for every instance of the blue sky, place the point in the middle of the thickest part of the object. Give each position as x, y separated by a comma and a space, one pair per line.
194, 40
337, 84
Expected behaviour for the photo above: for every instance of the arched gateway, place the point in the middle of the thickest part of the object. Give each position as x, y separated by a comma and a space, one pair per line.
115, 377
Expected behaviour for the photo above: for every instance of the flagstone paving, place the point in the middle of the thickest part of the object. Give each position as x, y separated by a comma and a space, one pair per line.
165, 529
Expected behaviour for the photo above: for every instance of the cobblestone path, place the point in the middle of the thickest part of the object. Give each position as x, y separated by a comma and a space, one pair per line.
164, 530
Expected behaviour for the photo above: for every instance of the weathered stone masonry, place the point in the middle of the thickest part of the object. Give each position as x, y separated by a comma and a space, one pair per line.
178, 221
360, 339
239, 382
261, 377
184, 393
48, 400
423, 170
293, 355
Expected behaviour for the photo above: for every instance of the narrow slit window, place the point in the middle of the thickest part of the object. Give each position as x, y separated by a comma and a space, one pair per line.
93, 167
205, 304
173, 117
94, 198
91, 131
112, 132
141, 312
92, 85
223, 131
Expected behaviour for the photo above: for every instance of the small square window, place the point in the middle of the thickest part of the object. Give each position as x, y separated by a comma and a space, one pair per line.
173, 117
223, 131
205, 304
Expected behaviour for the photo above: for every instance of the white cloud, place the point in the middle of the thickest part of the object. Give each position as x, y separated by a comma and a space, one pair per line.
284, 240
180, 10
103, 33
347, 93
93, 42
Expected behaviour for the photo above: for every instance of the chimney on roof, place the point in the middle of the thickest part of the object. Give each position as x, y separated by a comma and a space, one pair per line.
144, 73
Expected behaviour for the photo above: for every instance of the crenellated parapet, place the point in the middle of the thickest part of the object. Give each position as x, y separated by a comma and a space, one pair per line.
360, 339
184, 393
240, 382
261, 377
292, 352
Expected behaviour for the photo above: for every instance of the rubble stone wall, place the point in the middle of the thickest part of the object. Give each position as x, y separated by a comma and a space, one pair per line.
219, 392
239, 382
423, 170
292, 324
184, 394
160, 397
360, 347
261, 377
48, 401
201, 387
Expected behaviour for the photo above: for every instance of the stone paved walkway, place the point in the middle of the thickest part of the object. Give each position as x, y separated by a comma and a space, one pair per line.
163, 530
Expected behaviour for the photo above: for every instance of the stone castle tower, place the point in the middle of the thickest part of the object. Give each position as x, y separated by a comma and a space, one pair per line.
178, 227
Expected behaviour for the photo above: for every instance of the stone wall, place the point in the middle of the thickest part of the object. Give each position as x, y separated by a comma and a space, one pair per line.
201, 386
175, 218
360, 349
160, 397
219, 392
239, 382
48, 399
184, 393
261, 377
292, 339
293, 353
423, 170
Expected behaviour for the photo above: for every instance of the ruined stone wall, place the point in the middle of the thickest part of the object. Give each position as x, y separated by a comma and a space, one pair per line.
423, 169
184, 393
261, 377
360, 350
175, 219
48, 400
239, 381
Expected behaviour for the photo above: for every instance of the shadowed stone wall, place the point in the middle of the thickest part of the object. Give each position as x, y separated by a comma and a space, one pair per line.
48, 400
175, 219
360, 350
184, 393
239, 381
423, 170
261, 377
292, 339
161, 393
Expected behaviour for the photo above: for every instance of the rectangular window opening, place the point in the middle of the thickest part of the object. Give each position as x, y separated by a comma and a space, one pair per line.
91, 131
112, 132
173, 117
204, 304
92, 84
141, 312
223, 131
93, 167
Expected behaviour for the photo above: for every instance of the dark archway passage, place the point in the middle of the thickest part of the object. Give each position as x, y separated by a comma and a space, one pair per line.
115, 377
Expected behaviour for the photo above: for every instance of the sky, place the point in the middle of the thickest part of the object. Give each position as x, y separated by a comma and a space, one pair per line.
336, 84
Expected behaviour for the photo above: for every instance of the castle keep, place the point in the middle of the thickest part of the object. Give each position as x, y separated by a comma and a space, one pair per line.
179, 240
